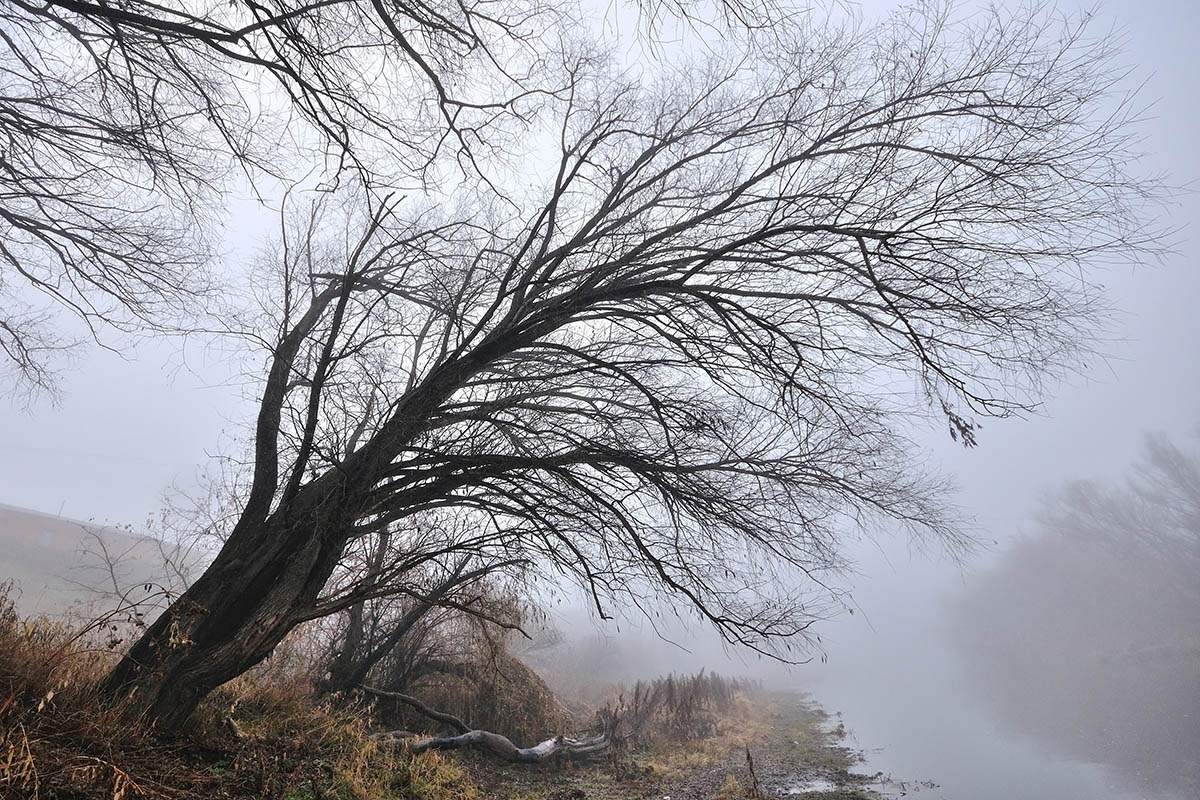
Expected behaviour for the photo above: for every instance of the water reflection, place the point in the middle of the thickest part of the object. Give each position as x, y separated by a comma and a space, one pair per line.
917, 720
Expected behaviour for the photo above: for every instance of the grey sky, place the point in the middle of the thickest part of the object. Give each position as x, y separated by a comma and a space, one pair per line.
128, 426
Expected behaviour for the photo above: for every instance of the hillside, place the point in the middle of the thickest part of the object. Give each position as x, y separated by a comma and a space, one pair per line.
56, 564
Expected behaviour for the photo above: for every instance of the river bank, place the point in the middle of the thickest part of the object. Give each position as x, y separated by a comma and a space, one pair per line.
777, 745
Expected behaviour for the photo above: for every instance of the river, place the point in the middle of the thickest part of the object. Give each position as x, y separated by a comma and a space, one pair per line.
906, 702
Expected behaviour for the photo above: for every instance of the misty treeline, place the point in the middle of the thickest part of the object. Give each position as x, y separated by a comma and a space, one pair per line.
1087, 633
535, 317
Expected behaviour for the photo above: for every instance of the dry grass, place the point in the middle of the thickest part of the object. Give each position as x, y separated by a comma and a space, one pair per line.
674, 708
59, 739
502, 695
738, 722
729, 715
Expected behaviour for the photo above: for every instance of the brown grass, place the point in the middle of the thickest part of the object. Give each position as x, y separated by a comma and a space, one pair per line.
674, 708
502, 695
60, 739
663, 755
736, 722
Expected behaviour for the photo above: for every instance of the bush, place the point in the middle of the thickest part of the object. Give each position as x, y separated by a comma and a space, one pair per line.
675, 708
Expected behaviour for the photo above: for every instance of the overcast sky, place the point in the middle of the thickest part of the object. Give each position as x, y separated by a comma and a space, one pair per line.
129, 425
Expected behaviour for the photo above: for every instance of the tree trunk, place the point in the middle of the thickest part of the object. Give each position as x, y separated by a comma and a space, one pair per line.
350, 671
236, 613
351, 668
274, 565
343, 666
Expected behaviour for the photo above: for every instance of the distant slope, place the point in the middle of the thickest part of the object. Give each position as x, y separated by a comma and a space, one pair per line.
57, 564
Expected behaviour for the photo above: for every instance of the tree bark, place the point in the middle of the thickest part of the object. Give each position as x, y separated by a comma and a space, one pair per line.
235, 614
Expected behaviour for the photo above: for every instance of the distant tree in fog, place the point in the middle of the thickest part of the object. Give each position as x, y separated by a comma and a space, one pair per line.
653, 347
1151, 519
1087, 633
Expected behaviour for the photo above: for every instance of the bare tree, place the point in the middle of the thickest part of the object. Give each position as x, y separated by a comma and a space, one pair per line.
1153, 520
121, 124
391, 631
661, 363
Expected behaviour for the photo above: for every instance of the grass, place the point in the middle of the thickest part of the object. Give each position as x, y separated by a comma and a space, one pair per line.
746, 722
60, 739
650, 765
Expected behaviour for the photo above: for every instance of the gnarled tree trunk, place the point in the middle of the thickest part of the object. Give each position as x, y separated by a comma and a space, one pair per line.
236, 613
270, 571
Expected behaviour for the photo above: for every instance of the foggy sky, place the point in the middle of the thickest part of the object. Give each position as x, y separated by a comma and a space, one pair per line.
130, 424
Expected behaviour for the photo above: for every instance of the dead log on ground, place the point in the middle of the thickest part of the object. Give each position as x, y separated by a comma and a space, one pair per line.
495, 743
502, 746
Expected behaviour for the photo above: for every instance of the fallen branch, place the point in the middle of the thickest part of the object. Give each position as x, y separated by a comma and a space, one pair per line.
495, 743
502, 746
439, 716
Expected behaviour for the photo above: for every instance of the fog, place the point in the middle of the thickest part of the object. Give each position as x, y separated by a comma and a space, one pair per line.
1085, 636
1036, 666
1055, 666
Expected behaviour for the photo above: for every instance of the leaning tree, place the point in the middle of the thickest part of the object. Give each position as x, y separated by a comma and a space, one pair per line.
665, 349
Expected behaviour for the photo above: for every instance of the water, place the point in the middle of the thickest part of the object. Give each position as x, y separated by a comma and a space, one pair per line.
906, 702
916, 721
